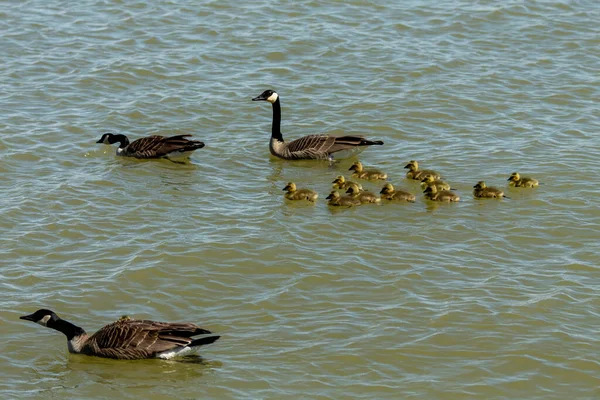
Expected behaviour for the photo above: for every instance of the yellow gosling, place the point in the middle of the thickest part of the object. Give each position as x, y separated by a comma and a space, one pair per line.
299, 194
482, 191
362, 195
389, 193
361, 173
341, 201
516, 181
415, 173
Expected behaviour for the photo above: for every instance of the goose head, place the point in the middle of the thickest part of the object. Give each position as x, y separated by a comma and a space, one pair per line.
514, 177
387, 189
268, 95
357, 167
480, 185
290, 187
108, 138
333, 195
353, 189
43, 317
412, 165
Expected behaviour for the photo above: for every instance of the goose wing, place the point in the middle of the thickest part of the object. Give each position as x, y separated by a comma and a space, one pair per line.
160, 146
135, 339
320, 146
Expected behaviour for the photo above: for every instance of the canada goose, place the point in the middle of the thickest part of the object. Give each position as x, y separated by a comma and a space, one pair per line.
361, 173
481, 190
438, 183
127, 339
431, 193
321, 147
299, 194
172, 147
415, 173
341, 183
516, 181
390, 193
344, 201
362, 196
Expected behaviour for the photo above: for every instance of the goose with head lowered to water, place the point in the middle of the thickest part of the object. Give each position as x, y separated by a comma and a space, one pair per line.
316, 147
171, 147
127, 338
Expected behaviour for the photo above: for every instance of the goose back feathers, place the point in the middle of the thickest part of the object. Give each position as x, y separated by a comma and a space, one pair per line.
127, 339
312, 146
153, 146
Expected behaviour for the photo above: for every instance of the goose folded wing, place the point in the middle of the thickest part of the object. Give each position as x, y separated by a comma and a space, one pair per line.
158, 146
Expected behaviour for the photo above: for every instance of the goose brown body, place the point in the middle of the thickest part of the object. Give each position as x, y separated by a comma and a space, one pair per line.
153, 146
127, 338
312, 146
517, 181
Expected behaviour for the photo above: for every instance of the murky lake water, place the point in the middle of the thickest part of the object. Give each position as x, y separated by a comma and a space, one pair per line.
480, 299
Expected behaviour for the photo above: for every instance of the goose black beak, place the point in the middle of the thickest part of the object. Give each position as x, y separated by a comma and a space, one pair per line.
27, 317
100, 141
259, 98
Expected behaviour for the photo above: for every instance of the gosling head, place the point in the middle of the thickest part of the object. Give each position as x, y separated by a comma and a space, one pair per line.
514, 177
268, 95
430, 189
357, 166
339, 179
480, 185
412, 165
333, 195
290, 187
43, 317
387, 189
427, 179
353, 189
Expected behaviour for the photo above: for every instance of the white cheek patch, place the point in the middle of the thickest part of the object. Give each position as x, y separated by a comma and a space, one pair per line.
273, 98
44, 321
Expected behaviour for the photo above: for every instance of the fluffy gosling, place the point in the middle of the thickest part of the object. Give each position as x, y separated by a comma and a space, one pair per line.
362, 195
341, 201
299, 194
516, 181
482, 191
438, 183
361, 173
431, 193
341, 183
389, 193
415, 173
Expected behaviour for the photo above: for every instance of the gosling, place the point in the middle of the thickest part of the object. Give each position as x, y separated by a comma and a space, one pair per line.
389, 193
341, 183
482, 191
299, 194
363, 196
438, 183
516, 181
415, 173
431, 193
361, 173
341, 201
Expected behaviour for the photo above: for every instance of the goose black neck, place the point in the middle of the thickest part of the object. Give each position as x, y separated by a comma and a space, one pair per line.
121, 139
275, 128
70, 330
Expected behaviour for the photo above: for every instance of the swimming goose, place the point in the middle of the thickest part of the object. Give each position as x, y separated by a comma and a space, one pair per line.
361, 173
172, 147
390, 193
431, 193
362, 195
341, 183
320, 147
438, 183
345, 201
482, 191
516, 181
299, 194
415, 173
127, 339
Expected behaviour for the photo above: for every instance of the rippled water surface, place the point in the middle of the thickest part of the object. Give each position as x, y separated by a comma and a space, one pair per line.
479, 299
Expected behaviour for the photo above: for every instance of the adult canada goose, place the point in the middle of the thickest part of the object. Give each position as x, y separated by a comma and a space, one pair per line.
127, 339
482, 191
415, 173
362, 195
343, 201
361, 173
516, 181
431, 193
388, 192
438, 183
299, 194
341, 183
320, 147
172, 147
